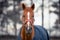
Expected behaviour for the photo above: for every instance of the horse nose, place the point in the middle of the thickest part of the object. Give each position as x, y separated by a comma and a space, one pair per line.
28, 30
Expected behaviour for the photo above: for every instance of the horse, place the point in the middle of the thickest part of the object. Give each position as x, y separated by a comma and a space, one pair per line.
29, 31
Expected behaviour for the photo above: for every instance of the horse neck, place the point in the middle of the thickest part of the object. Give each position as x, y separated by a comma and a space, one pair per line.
24, 35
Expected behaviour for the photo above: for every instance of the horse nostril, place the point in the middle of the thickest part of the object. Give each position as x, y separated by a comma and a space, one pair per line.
30, 28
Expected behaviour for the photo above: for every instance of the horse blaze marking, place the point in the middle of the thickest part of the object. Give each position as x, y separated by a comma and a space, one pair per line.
28, 15
28, 19
28, 25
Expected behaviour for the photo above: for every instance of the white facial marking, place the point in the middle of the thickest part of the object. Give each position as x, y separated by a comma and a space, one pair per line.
28, 19
28, 25
28, 15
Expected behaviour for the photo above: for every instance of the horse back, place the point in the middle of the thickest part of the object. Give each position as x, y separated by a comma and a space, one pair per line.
40, 33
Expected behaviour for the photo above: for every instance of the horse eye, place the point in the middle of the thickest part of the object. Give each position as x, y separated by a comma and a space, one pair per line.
23, 15
32, 16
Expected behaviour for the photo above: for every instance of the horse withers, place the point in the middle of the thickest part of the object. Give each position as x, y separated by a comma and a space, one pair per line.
29, 31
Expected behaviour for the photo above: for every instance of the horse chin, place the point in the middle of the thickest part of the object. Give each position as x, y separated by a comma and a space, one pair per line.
28, 32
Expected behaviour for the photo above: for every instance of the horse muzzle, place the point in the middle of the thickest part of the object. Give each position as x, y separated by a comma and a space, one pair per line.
28, 30
28, 26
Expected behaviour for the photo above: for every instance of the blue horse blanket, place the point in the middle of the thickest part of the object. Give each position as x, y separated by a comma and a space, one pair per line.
40, 34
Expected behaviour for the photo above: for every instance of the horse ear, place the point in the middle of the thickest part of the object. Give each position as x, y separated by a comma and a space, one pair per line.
23, 6
33, 6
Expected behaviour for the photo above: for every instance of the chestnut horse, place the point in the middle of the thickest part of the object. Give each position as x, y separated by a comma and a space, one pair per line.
28, 30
